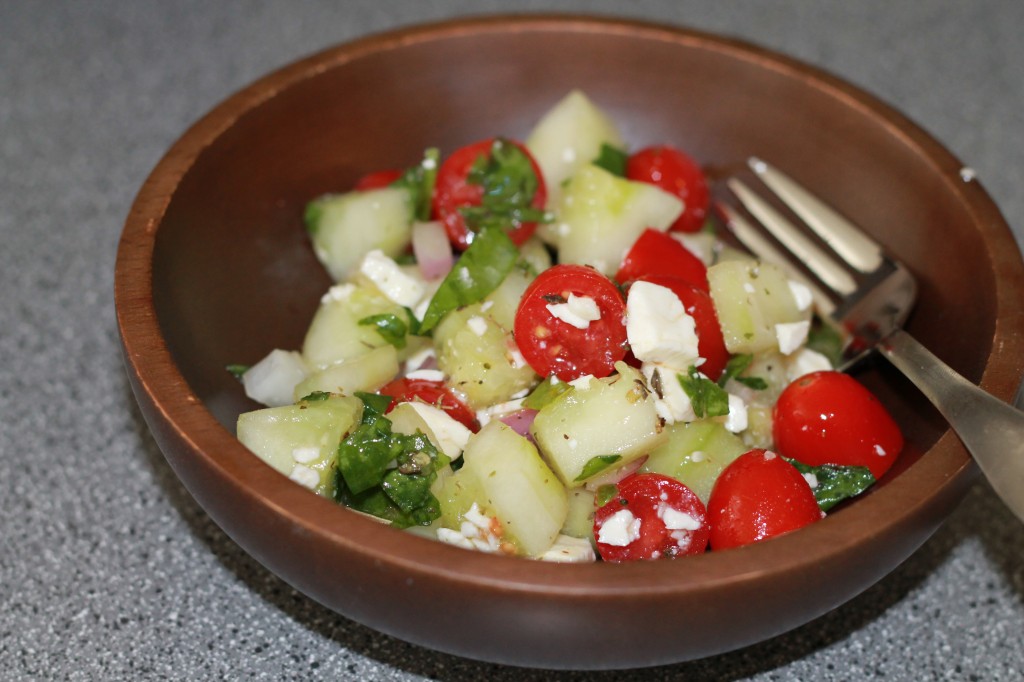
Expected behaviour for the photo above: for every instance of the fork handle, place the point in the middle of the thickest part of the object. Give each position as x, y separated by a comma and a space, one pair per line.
991, 430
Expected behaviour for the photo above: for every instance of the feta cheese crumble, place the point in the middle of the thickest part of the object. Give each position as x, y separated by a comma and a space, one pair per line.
579, 311
393, 282
791, 335
477, 325
619, 529
570, 550
658, 328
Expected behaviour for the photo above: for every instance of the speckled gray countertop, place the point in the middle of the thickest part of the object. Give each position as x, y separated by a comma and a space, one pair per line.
108, 568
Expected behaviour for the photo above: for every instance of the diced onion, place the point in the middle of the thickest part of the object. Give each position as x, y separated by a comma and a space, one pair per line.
520, 421
432, 249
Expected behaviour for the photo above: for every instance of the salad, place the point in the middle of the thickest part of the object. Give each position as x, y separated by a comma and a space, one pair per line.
543, 349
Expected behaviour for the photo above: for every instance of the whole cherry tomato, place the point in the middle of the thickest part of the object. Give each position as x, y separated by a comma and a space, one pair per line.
434, 393
656, 253
651, 517
830, 418
377, 179
759, 496
517, 186
552, 345
675, 172
698, 304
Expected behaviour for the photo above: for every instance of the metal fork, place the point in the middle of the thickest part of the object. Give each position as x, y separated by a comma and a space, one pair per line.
869, 295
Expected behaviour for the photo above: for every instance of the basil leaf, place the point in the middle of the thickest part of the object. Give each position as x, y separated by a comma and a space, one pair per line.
605, 494
237, 370
545, 393
374, 405
836, 483
389, 326
596, 465
509, 186
827, 340
612, 159
315, 396
420, 181
735, 367
708, 398
478, 272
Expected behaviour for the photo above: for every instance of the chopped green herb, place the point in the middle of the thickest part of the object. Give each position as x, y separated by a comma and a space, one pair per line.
545, 392
612, 159
237, 370
420, 181
708, 398
605, 494
509, 185
478, 272
836, 483
735, 367
315, 396
596, 465
391, 328
827, 340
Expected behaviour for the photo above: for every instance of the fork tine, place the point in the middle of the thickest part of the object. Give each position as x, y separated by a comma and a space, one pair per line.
848, 241
754, 240
830, 272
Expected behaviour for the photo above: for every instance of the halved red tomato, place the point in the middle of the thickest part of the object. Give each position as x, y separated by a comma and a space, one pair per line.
434, 393
377, 179
511, 186
655, 253
570, 349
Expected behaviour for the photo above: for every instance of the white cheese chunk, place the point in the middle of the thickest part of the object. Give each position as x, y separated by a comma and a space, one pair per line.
393, 282
736, 420
426, 375
658, 328
304, 476
477, 325
619, 529
805, 361
499, 410
791, 335
801, 294
579, 311
568, 549
670, 400
452, 435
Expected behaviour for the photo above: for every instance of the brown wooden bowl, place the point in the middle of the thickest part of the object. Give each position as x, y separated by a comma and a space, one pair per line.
214, 268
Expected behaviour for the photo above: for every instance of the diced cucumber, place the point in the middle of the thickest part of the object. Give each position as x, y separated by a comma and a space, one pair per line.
535, 254
751, 298
579, 523
611, 417
600, 215
758, 433
368, 372
518, 487
477, 355
335, 335
771, 367
345, 227
301, 441
568, 136
695, 453
502, 303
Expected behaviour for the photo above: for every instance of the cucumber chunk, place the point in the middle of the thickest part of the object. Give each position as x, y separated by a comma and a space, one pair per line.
611, 417
345, 227
695, 453
751, 298
601, 215
301, 441
568, 136
368, 372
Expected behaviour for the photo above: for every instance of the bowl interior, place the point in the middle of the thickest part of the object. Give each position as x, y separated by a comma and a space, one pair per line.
233, 275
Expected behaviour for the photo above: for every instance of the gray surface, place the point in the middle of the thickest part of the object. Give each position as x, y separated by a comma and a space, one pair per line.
109, 570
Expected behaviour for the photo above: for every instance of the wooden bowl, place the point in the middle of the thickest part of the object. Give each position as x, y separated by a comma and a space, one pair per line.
214, 268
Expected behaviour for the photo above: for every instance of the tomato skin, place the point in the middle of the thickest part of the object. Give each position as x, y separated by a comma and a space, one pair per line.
830, 418
454, 191
434, 393
655, 253
677, 173
642, 495
552, 346
698, 304
377, 179
759, 496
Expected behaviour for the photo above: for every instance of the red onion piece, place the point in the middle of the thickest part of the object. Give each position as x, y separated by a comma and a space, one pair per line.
520, 421
432, 249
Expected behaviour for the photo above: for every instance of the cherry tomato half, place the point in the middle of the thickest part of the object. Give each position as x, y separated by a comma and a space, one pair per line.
831, 418
675, 172
698, 304
759, 496
652, 517
434, 393
655, 253
377, 179
553, 346
454, 192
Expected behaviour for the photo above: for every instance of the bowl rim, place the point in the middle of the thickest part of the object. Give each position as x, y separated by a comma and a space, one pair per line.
943, 469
